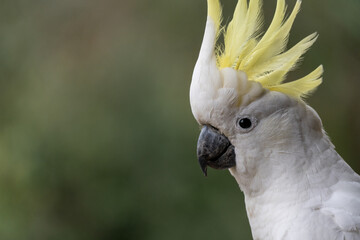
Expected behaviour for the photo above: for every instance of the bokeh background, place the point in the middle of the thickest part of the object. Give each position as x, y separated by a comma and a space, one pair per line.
97, 139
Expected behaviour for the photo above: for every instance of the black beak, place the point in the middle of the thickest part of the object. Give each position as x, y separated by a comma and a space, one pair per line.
214, 150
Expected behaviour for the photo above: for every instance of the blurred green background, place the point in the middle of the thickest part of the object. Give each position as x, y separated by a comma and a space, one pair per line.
97, 139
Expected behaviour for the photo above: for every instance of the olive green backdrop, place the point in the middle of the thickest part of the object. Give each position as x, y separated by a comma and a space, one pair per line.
97, 139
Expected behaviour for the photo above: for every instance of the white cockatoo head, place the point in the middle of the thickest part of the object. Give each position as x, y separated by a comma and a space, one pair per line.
238, 96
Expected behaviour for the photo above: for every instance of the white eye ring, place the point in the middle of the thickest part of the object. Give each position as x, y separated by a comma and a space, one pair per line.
246, 123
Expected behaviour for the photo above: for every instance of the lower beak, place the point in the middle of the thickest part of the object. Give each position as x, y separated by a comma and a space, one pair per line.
214, 150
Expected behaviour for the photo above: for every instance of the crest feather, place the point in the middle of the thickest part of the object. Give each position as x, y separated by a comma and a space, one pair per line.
301, 87
265, 59
215, 12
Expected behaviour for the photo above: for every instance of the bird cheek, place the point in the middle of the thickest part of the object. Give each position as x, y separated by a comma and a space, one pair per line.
240, 161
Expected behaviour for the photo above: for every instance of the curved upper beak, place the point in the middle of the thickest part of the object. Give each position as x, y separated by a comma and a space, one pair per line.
214, 150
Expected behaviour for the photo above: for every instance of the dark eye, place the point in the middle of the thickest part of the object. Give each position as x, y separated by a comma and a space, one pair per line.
245, 123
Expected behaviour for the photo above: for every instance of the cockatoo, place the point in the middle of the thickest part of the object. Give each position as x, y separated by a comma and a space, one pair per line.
296, 185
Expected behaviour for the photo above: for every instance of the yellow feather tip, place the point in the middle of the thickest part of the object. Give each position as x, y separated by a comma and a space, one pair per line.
301, 88
215, 13
264, 59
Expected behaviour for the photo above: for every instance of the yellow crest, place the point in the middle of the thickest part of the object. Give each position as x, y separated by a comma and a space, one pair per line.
263, 58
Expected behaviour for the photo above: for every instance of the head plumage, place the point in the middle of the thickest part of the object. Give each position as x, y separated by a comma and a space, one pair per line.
263, 58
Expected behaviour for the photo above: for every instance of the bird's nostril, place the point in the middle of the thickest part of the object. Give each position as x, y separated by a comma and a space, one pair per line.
216, 129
